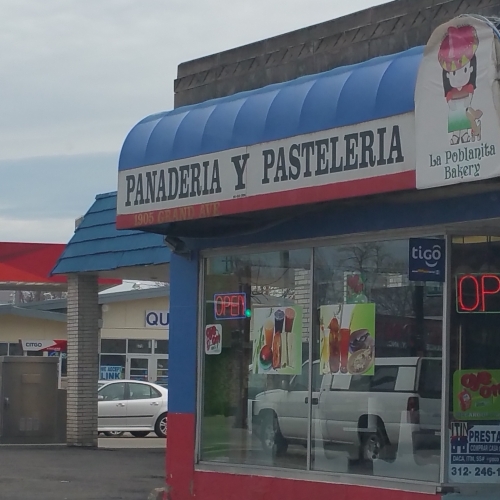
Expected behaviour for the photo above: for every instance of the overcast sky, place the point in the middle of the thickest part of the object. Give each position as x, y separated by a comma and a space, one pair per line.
77, 75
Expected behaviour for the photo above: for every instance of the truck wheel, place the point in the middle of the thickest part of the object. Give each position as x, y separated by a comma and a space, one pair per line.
271, 437
372, 446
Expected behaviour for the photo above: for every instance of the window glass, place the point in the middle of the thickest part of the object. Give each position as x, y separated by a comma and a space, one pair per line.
112, 366
113, 392
162, 371
34, 353
384, 378
372, 329
15, 349
138, 346
139, 368
474, 361
256, 340
161, 346
112, 346
4, 348
139, 391
155, 393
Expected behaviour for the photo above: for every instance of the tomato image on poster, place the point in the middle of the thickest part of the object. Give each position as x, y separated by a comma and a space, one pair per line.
347, 344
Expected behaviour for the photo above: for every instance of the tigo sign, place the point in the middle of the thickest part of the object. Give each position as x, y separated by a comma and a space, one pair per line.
157, 319
426, 259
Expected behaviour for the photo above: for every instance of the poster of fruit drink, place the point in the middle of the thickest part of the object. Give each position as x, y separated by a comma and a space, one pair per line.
277, 340
347, 339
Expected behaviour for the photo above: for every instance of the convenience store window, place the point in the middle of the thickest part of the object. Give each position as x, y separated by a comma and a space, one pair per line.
333, 369
377, 334
473, 430
256, 341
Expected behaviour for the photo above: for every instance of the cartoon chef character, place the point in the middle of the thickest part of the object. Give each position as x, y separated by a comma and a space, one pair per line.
457, 57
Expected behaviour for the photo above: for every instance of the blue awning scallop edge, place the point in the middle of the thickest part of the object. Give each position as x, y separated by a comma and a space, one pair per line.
371, 90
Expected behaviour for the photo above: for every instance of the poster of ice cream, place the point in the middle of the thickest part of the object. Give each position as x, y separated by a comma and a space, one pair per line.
347, 342
277, 340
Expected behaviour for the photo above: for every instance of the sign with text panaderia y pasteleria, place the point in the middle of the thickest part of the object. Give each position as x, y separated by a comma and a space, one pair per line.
367, 158
456, 116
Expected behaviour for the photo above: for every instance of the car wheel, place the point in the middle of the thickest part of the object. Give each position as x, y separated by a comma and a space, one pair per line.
372, 446
161, 426
271, 437
140, 434
113, 433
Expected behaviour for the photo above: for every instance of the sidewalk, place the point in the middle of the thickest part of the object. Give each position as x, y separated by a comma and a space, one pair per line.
62, 473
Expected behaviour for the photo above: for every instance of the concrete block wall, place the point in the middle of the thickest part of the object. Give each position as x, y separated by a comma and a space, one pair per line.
83, 364
385, 29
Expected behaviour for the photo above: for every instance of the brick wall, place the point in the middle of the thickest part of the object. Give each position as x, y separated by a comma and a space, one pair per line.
83, 363
385, 29
303, 298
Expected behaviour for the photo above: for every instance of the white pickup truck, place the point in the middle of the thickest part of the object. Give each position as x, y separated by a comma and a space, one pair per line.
362, 413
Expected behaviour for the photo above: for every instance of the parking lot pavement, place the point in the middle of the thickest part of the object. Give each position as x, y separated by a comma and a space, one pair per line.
128, 441
63, 473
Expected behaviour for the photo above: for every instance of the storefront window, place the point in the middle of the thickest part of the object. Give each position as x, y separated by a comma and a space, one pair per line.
256, 344
378, 341
161, 346
139, 346
365, 398
112, 366
112, 346
474, 416
15, 349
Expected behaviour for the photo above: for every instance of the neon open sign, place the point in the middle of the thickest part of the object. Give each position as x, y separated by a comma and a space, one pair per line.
230, 306
478, 293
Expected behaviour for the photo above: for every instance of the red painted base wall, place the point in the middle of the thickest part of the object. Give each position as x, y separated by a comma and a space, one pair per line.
218, 486
184, 483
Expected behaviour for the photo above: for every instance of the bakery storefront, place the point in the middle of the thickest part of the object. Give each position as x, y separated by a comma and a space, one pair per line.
335, 282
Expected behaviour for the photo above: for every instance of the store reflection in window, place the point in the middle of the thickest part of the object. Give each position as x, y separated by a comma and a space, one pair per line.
377, 334
254, 356
475, 361
370, 399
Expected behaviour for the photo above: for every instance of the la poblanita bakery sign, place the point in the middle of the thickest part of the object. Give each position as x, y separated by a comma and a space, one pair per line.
452, 137
456, 105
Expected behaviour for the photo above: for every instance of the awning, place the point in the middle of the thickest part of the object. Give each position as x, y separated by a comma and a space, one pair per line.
342, 97
374, 89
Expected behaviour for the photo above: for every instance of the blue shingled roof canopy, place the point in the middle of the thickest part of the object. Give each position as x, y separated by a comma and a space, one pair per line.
98, 247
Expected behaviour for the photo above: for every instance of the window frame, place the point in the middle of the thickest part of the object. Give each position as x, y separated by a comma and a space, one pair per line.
311, 244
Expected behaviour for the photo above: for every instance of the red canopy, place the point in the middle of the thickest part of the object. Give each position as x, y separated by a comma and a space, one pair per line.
28, 265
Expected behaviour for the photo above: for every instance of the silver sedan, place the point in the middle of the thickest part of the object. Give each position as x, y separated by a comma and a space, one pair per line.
132, 406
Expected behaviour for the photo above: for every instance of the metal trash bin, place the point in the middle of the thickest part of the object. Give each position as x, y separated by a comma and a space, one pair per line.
29, 400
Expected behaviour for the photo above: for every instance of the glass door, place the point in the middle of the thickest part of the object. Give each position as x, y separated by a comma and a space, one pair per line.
139, 368
160, 373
